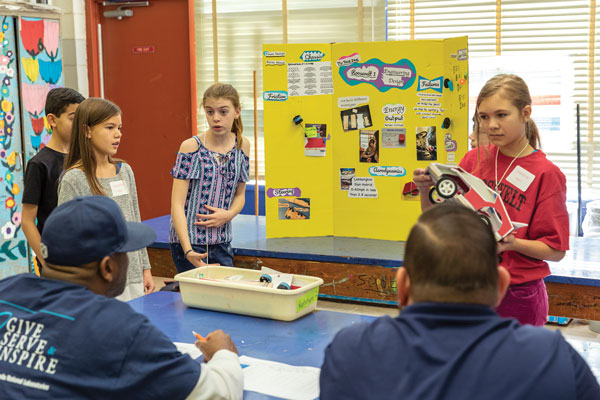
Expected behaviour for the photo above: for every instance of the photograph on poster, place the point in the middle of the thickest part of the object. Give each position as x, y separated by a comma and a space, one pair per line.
369, 146
426, 143
410, 189
393, 138
314, 147
346, 175
319, 129
356, 118
294, 208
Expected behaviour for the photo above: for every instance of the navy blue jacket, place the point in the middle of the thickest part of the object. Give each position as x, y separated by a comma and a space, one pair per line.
453, 351
59, 340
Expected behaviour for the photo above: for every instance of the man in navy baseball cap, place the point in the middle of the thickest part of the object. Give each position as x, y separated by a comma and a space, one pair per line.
87, 229
92, 234
63, 336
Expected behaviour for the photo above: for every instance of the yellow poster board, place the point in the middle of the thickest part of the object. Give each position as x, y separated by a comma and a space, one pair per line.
345, 126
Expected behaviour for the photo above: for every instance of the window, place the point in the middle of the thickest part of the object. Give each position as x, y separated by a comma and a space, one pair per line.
531, 36
244, 26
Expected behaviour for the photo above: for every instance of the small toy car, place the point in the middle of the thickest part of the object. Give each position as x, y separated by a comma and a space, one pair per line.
455, 184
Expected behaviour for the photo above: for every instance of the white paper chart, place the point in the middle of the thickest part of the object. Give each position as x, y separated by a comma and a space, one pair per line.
309, 78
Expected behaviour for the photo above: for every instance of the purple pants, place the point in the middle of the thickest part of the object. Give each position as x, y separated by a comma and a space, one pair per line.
526, 302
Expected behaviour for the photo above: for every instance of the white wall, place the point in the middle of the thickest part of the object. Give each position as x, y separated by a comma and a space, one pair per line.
72, 24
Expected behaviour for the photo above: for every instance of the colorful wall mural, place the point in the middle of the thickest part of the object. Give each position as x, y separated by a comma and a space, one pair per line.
13, 247
41, 64
23, 126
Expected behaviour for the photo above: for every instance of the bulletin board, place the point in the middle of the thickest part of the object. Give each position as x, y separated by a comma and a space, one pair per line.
345, 126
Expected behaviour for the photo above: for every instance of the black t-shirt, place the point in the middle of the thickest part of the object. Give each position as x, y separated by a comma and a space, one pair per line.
41, 182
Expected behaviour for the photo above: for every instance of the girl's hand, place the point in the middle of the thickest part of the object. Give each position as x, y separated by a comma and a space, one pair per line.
219, 217
507, 243
148, 281
197, 259
422, 179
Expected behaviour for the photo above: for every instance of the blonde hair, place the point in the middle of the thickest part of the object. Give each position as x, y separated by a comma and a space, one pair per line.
516, 91
226, 91
90, 113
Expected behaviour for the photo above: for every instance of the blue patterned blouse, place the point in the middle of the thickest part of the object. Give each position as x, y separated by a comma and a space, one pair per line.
213, 181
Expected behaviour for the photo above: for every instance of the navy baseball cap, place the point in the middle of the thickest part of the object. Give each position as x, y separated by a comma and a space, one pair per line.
87, 229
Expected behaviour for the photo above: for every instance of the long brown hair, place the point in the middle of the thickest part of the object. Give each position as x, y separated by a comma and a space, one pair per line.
226, 91
90, 113
516, 91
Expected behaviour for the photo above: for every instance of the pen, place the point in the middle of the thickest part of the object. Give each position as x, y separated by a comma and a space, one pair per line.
198, 336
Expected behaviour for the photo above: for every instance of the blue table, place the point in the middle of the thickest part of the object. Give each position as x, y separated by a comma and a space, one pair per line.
364, 269
301, 342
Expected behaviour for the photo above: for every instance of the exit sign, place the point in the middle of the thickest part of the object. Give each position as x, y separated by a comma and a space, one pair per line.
143, 49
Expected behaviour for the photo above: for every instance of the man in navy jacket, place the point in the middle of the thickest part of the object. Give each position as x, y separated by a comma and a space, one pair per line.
63, 336
448, 342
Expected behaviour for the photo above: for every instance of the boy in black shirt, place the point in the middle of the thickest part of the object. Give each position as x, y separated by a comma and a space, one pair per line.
43, 170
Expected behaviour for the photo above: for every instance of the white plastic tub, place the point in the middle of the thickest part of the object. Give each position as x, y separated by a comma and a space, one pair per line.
239, 298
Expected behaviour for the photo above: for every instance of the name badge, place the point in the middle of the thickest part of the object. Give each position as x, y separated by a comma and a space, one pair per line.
118, 188
521, 178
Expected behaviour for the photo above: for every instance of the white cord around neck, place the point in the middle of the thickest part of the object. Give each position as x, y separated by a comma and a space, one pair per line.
509, 165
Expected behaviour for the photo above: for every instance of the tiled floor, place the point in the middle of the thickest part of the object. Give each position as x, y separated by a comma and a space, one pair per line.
577, 329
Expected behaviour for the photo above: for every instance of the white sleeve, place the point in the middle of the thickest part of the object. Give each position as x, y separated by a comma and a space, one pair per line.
220, 378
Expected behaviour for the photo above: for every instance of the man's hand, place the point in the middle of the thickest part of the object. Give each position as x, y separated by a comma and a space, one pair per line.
215, 341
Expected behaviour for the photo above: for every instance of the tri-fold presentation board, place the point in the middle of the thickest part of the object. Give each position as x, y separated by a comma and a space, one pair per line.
345, 126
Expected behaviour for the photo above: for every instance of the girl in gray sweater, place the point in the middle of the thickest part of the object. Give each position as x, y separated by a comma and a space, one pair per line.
90, 169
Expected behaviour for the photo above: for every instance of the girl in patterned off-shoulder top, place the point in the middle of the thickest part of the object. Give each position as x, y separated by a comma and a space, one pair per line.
209, 183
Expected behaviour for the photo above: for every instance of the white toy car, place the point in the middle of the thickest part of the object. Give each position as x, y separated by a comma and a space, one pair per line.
454, 183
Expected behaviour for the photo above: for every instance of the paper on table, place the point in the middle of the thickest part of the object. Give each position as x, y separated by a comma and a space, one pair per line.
188, 348
280, 380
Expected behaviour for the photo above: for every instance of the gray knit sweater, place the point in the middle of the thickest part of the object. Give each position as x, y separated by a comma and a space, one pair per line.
74, 184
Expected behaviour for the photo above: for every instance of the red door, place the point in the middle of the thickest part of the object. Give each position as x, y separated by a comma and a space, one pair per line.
148, 69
